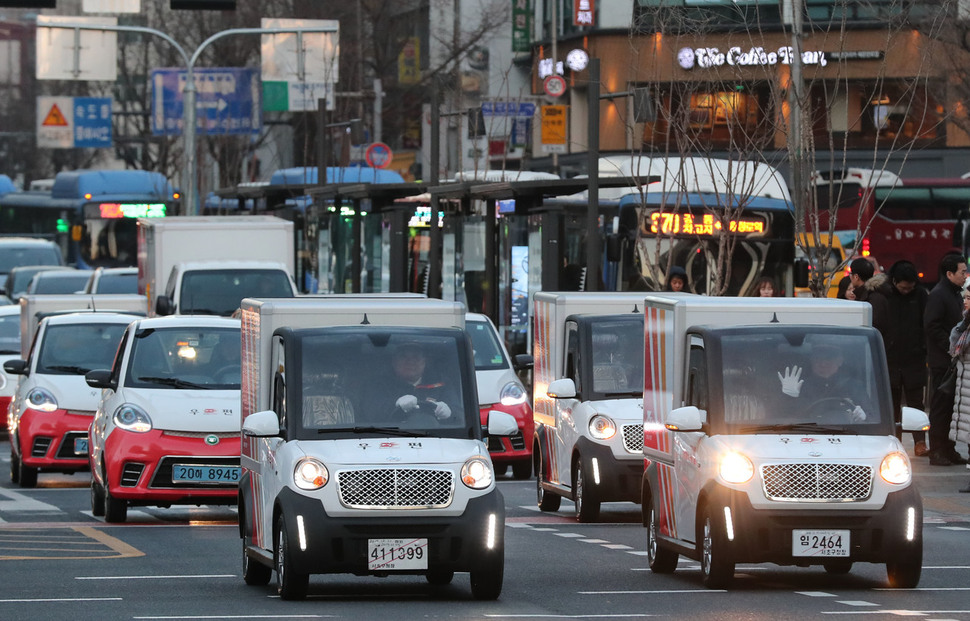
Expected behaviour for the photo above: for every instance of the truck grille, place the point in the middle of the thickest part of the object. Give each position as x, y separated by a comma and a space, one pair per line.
816, 482
395, 488
632, 438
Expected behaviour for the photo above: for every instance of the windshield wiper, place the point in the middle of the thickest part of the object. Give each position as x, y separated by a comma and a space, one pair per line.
68, 368
391, 431
797, 427
172, 381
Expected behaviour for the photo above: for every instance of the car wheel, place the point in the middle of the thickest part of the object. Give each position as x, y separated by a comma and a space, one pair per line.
290, 584
14, 468
522, 469
28, 475
440, 577
587, 506
661, 560
97, 499
500, 469
487, 576
904, 571
717, 566
115, 509
254, 572
547, 501
837, 567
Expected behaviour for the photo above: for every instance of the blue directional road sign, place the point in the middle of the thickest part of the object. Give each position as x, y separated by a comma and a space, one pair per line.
92, 122
227, 101
508, 108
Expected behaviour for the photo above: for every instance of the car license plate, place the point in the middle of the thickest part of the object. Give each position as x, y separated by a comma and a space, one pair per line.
80, 446
827, 543
397, 554
183, 473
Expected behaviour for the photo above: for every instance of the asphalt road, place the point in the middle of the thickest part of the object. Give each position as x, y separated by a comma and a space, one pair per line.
57, 561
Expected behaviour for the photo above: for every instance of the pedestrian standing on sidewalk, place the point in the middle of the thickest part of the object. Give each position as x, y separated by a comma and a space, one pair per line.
944, 310
905, 344
960, 349
868, 285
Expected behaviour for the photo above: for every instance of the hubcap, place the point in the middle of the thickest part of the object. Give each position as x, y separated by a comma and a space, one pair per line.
706, 565
579, 491
652, 535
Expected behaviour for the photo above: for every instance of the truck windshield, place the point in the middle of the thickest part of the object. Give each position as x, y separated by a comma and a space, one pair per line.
219, 292
617, 355
75, 349
790, 380
185, 358
404, 381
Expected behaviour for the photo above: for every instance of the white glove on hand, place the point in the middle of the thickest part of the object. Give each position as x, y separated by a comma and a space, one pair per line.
791, 382
857, 415
407, 403
441, 410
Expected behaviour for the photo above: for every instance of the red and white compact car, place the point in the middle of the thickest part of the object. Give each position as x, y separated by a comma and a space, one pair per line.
167, 429
499, 389
51, 411
9, 350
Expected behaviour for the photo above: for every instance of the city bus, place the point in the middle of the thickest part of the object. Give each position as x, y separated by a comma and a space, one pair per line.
894, 218
91, 214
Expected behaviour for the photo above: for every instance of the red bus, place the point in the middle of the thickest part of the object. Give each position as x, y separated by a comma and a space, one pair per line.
915, 219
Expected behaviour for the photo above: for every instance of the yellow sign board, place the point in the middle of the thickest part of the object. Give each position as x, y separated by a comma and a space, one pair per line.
553, 128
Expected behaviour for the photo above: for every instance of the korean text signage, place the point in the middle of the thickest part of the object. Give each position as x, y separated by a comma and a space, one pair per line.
583, 12
553, 129
712, 57
226, 101
74, 122
522, 14
702, 225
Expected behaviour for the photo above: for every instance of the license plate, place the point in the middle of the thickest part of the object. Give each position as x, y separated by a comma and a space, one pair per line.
397, 554
182, 473
80, 446
825, 543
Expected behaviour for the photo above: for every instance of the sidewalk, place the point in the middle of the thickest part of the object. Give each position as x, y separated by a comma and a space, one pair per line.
940, 486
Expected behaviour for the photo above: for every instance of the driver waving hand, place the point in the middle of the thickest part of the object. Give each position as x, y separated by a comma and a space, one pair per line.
824, 382
411, 388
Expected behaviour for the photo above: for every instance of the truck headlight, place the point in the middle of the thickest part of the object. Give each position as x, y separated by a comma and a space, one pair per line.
512, 394
41, 399
602, 427
130, 417
736, 468
895, 469
310, 474
477, 473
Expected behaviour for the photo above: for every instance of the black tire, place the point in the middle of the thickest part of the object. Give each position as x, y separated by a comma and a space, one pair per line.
905, 570
547, 501
254, 572
14, 468
115, 509
500, 469
487, 577
661, 560
717, 566
440, 577
522, 470
97, 499
290, 584
837, 567
28, 475
587, 505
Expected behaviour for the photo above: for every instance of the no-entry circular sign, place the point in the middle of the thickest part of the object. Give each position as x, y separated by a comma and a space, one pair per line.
378, 155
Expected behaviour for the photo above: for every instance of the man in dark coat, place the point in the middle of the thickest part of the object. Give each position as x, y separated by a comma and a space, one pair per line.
944, 309
869, 286
905, 343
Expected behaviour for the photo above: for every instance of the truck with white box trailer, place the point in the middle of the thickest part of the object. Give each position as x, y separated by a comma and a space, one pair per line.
341, 474
769, 437
33, 308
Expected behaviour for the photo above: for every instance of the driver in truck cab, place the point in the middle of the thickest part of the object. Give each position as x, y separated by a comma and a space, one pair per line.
827, 382
412, 389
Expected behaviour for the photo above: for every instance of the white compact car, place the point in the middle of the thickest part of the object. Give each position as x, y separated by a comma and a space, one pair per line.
167, 428
9, 350
51, 411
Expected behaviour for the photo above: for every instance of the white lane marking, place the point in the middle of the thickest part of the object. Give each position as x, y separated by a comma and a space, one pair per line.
656, 592
517, 525
16, 501
243, 617
553, 616
44, 600
898, 613
953, 528
546, 530
569, 535
946, 566
617, 546
637, 552
174, 577
594, 540
849, 602
815, 593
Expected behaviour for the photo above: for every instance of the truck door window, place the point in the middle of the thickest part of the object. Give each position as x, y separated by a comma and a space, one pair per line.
696, 392
572, 355
279, 382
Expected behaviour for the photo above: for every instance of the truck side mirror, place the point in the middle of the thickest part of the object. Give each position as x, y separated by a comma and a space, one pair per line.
99, 378
522, 362
15, 367
913, 419
800, 272
263, 424
164, 306
687, 418
564, 388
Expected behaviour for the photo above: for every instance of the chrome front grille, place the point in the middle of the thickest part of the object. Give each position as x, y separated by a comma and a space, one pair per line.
395, 488
632, 438
816, 482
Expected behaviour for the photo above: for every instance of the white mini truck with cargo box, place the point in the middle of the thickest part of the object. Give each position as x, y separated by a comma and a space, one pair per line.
769, 437
350, 465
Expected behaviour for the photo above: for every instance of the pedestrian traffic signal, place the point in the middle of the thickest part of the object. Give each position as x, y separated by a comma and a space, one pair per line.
201, 5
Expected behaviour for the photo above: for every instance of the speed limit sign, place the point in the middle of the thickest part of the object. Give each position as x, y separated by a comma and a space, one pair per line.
554, 85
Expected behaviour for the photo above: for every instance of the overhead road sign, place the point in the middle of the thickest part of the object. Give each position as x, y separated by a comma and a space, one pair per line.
227, 101
299, 68
74, 122
92, 55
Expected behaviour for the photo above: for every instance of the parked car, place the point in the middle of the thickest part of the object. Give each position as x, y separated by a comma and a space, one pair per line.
9, 349
167, 428
113, 280
58, 281
19, 277
52, 408
17, 251
499, 389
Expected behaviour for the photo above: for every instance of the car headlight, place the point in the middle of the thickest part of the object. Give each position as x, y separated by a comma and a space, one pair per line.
132, 418
310, 474
477, 473
895, 468
736, 468
41, 399
602, 427
512, 394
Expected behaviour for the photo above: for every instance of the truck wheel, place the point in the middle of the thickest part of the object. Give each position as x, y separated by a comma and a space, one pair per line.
97, 499
290, 584
115, 509
717, 566
522, 469
661, 560
547, 501
254, 572
587, 505
837, 567
440, 577
904, 571
487, 577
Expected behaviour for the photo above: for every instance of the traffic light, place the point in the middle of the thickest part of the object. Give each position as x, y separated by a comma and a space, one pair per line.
201, 5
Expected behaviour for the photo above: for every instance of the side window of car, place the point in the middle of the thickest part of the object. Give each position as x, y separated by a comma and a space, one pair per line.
277, 360
696, 390
116, 365
572, 355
